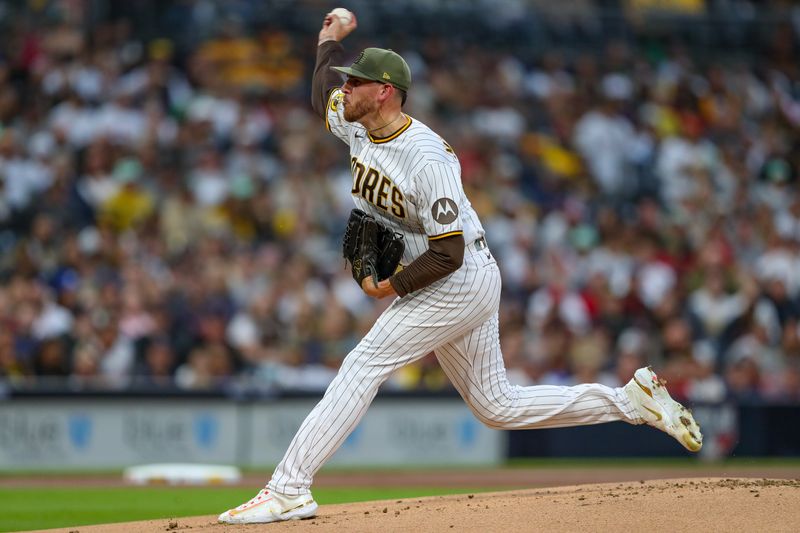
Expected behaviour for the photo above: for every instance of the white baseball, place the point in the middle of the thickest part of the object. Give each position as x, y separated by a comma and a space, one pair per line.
344, 15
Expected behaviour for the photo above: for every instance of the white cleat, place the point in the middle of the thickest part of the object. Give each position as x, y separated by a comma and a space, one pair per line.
270, 507
654, 404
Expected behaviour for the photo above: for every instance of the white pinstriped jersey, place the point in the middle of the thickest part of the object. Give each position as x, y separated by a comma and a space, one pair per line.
409, 181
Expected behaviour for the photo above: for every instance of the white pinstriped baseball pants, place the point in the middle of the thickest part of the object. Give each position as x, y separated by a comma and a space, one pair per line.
457, 318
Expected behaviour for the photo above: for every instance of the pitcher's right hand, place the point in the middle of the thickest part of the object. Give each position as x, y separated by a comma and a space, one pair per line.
333, 29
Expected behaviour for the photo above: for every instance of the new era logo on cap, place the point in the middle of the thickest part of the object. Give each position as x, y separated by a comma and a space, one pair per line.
379, 64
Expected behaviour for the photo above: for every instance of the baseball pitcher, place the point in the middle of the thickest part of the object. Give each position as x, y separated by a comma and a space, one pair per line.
407, 183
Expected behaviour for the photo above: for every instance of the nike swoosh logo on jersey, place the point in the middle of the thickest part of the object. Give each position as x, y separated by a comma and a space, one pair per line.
358, 136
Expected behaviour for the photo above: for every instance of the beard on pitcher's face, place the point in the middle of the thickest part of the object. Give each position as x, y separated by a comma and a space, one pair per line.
355, 111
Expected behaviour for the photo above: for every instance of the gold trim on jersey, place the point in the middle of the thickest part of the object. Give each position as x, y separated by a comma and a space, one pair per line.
443, 235
381, 140
331, 105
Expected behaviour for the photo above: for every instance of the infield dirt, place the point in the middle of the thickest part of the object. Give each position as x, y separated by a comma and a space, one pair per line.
690, 504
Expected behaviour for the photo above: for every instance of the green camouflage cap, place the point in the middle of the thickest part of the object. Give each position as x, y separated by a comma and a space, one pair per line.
378, 64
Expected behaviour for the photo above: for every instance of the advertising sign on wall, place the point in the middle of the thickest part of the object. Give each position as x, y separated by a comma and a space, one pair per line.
98, 434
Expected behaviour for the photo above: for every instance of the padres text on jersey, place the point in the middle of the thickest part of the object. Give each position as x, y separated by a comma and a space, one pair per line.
410, 180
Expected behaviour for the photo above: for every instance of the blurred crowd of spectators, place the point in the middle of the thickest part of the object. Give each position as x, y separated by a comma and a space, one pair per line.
174, 220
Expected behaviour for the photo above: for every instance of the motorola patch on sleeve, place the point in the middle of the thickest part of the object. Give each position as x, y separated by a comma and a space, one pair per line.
444, 211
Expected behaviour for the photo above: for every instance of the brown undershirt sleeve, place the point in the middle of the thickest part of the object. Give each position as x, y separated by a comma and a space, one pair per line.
324, 80
443, 257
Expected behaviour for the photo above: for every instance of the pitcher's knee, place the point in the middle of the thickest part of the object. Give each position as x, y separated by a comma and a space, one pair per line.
493, 415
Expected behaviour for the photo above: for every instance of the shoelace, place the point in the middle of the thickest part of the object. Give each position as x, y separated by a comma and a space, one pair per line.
257, 499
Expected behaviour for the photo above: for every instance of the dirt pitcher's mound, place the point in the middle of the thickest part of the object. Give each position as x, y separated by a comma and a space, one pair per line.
712, 504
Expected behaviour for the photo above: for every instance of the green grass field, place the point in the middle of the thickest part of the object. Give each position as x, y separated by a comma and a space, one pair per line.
41, 508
